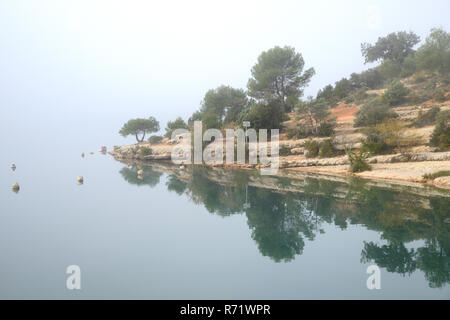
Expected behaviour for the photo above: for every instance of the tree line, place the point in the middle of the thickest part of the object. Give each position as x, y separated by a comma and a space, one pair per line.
279, 77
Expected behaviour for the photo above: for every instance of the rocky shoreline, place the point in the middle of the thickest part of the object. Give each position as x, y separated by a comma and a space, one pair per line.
404, 168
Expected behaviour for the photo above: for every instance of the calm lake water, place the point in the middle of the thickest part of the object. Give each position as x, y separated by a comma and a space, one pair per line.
214, 234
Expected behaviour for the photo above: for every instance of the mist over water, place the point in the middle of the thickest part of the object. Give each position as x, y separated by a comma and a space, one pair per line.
71, 74
186, 235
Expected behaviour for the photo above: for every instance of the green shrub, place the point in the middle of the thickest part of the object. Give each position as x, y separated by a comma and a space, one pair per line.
418, 99
389, 69
349, 99
327, 149
395, 93
409, 66
441, 133
291, 133
432, 176
372, 113
358, 161
312, 147
440, 96
284, 150
145, 151
361, 95
303, 131
155, 139
326, 129
426, 118
374, 143
387, 136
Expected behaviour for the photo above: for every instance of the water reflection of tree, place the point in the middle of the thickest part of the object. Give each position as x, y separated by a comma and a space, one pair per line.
279, 223
395, 257
223, 199
281, 220
175, 184
433, 258
149, 176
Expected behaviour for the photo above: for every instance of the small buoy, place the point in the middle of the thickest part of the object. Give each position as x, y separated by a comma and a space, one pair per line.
15, 187
80, 179
140, 172
82, 155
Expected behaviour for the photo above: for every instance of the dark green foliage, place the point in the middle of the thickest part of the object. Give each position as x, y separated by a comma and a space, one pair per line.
409, 66
149, 177
315, 114
373, 112
291, 133
171, 126
139, 126
361, 95
440, 96
426, 118
278, 75
395, 93
326, 93
342, 88
387, 136
371, 79
375, 142
265, 116
210, 120
326, 128
327, 149
145, 151
349, 99
302, 131
155, 139
284, 150
312, 148
220, 106
176, 185
395, 47
389, 69
432, 176
434, 55
418, 98
441, 133
226, 102
358, 161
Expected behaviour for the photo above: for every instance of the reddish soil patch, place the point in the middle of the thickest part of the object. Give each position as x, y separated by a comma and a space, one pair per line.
344, 113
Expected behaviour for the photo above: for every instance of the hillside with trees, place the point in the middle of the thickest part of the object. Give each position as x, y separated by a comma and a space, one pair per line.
396, 111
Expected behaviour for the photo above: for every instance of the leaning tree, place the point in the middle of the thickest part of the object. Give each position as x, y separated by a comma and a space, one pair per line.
139, 127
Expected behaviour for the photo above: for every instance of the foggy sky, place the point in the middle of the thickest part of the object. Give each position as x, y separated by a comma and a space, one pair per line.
80, 69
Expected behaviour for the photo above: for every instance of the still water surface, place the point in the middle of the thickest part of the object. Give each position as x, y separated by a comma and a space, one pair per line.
214, 234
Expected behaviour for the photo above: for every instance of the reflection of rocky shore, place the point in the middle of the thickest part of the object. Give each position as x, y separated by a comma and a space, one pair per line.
283, 211
298, 180
405, 169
